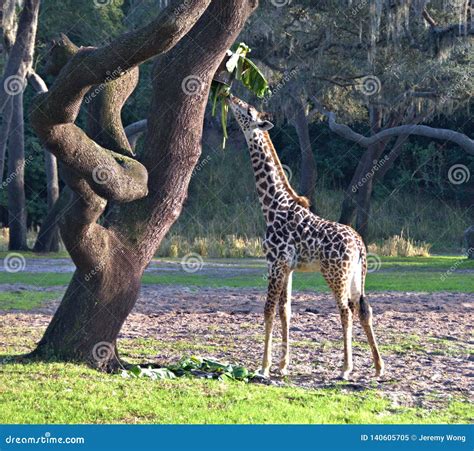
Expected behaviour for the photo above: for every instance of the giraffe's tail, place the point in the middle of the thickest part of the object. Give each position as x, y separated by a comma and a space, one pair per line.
363, 268
363, 302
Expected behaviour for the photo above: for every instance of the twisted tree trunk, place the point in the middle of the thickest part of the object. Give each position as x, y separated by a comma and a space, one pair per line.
147, 195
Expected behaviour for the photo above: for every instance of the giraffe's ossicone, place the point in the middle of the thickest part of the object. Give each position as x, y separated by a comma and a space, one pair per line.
298, 240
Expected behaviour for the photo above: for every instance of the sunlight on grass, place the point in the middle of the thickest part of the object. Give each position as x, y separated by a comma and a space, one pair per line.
67, 393
24, 300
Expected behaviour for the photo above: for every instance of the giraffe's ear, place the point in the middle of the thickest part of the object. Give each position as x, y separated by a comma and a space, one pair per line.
265, 125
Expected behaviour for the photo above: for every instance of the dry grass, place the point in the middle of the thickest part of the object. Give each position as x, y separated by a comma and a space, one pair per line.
400, 246
231, 246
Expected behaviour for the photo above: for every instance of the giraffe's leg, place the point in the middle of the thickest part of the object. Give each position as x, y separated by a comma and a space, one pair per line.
285, 316
346, 320
365, 315
275, 286
360, 305
340, 286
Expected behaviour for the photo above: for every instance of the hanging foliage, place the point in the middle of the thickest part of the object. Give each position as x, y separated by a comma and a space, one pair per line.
237, 67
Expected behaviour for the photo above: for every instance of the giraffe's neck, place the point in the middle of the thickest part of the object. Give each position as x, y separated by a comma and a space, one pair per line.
273, 189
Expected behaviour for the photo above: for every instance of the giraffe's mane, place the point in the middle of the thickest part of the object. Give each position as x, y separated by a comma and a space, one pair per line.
303, 201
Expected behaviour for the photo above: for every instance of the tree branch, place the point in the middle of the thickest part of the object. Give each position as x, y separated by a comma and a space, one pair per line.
420, 130
54, 113
36, 82
135, 130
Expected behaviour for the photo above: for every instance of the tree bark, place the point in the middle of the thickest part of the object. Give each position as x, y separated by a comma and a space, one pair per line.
48, 239
357, 195
16, 185
5, 133
110, 261
308, 163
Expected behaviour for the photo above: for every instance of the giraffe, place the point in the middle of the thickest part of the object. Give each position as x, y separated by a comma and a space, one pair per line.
298, 240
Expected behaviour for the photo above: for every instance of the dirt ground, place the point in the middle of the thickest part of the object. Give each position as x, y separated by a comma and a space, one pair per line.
426, 339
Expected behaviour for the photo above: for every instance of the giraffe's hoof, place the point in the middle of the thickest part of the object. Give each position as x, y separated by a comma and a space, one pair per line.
379, 372
264, 373
283, 371
345, 375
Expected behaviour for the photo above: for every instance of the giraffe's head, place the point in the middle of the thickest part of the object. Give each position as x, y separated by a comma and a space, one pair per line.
248, 117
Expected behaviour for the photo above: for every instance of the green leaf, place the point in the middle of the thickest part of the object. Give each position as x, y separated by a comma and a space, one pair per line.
135, 371
244, 70
240, 372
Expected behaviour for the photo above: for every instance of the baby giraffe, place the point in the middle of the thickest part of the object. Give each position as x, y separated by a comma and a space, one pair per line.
297, 239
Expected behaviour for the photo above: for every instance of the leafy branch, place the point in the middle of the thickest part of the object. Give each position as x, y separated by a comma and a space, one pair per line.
237, 67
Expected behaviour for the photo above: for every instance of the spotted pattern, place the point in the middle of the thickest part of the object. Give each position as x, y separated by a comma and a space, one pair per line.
297, 239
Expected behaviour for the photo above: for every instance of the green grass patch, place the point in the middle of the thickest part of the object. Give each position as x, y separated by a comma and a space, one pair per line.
136, 349
428, 281
432, 263
24, 300
379, 281
52, 255
67, 393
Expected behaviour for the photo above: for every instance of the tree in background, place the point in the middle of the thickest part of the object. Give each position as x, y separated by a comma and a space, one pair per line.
362, 60
20, 60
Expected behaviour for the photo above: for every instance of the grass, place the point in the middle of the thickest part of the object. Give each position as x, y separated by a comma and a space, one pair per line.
24, 300
135, 350
68, 393
398, 281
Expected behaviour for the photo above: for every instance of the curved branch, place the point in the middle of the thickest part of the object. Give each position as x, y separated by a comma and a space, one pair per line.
36, 82
135, 130
413, 129
54, 113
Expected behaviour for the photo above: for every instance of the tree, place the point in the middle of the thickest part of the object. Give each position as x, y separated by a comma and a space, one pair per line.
362, 61
12, 133
48, 235
145, 196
